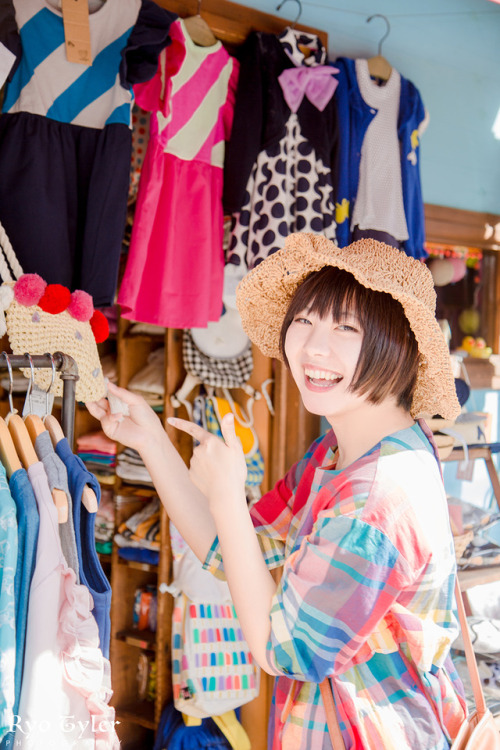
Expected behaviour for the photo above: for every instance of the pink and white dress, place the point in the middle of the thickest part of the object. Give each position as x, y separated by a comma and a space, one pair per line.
174, 272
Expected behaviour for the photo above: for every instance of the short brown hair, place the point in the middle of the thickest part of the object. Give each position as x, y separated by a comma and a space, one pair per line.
389, 357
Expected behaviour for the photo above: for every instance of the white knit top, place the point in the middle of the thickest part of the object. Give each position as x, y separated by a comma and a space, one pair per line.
379, 201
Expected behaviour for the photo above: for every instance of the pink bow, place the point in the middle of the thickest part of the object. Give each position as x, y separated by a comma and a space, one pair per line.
316, 83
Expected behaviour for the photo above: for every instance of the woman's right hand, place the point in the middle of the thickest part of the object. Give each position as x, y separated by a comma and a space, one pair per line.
135, 430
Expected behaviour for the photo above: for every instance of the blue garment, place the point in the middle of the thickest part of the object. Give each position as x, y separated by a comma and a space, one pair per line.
354, 116
28, 521
91, 572
8, 563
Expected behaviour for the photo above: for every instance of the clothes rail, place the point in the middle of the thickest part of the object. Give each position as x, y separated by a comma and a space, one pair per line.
68, 370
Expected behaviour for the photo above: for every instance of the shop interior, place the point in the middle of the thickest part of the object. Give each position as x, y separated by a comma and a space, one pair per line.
451, 56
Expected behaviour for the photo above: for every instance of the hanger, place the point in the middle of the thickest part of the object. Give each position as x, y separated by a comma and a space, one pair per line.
50, 423
199, 30
378, 66
292, 25
31, 427
17, 428
8, 453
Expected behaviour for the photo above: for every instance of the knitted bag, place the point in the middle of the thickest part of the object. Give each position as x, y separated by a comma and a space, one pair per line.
42, 318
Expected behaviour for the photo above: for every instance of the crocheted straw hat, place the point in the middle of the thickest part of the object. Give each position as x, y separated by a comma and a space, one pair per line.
264, 294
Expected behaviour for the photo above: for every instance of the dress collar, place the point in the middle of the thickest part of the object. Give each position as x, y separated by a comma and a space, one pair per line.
292, 41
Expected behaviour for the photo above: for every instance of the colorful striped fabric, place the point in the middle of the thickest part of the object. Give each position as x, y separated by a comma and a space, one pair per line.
366, 597
46, 84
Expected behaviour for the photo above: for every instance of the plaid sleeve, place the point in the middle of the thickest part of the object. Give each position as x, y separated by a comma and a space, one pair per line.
334, 591
272, 551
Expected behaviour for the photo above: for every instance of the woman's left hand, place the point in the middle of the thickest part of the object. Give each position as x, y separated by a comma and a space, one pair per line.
218, 467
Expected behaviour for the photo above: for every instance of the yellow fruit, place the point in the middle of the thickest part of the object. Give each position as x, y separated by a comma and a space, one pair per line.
469, 320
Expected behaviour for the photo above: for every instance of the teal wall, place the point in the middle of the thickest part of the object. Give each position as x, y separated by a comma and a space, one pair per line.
450, 49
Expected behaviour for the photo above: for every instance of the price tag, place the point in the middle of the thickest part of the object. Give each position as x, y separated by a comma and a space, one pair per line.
77, 31
465, 470
38, 402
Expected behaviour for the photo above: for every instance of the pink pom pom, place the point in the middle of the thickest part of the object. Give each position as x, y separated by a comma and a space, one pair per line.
29, 288
81, 306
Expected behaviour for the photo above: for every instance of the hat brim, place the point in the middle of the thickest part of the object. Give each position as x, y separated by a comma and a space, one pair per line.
264, 294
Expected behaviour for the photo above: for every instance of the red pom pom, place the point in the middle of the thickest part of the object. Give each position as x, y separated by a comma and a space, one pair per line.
81, 306
56, 299
100, 326
29, 288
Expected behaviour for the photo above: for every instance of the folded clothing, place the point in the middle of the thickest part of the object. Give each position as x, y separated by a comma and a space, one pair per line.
138, 554
150, 381
131, 467
96, 442
142, 529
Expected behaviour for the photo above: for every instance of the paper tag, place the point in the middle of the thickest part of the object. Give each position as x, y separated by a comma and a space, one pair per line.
38, 402
7, 60
77, 31
465, 470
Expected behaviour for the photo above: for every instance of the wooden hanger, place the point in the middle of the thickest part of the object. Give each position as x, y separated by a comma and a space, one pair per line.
378, 66
22, 440
8, 453
35, 427
89, 498
199, 30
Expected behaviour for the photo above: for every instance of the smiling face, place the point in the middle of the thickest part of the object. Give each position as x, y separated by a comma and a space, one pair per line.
323, 355
341, 339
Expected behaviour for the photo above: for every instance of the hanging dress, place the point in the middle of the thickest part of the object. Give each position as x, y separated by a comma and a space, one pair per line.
28, 522
91, 572
280, 161
66, 683
174, 272
8, 562
65, 140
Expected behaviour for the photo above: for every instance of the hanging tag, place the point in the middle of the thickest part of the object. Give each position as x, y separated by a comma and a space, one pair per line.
465, 470
77, 31
38, 402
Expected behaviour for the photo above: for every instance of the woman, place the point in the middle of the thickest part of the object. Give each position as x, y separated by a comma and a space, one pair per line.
359, 525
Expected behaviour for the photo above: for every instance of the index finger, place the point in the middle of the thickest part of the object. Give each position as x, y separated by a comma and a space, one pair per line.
196, 432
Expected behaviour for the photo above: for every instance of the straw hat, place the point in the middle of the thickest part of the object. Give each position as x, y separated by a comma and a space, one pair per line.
264, 295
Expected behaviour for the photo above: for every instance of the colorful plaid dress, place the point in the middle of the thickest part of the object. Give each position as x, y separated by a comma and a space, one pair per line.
366, 598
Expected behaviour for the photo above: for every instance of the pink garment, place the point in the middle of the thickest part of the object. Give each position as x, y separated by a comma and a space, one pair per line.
96, 441
66, 680
174, 272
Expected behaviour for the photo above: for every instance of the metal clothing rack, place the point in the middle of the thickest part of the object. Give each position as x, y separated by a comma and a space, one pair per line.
68, 369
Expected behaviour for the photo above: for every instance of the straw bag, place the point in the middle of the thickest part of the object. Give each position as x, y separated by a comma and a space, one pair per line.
478, 731
42, 318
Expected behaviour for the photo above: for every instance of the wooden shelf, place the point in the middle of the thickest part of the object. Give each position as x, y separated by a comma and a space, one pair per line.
142, 713
145, 567
144, 639
477, 576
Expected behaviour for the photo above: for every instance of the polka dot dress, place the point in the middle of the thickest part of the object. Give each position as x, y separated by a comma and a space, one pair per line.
289, 190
